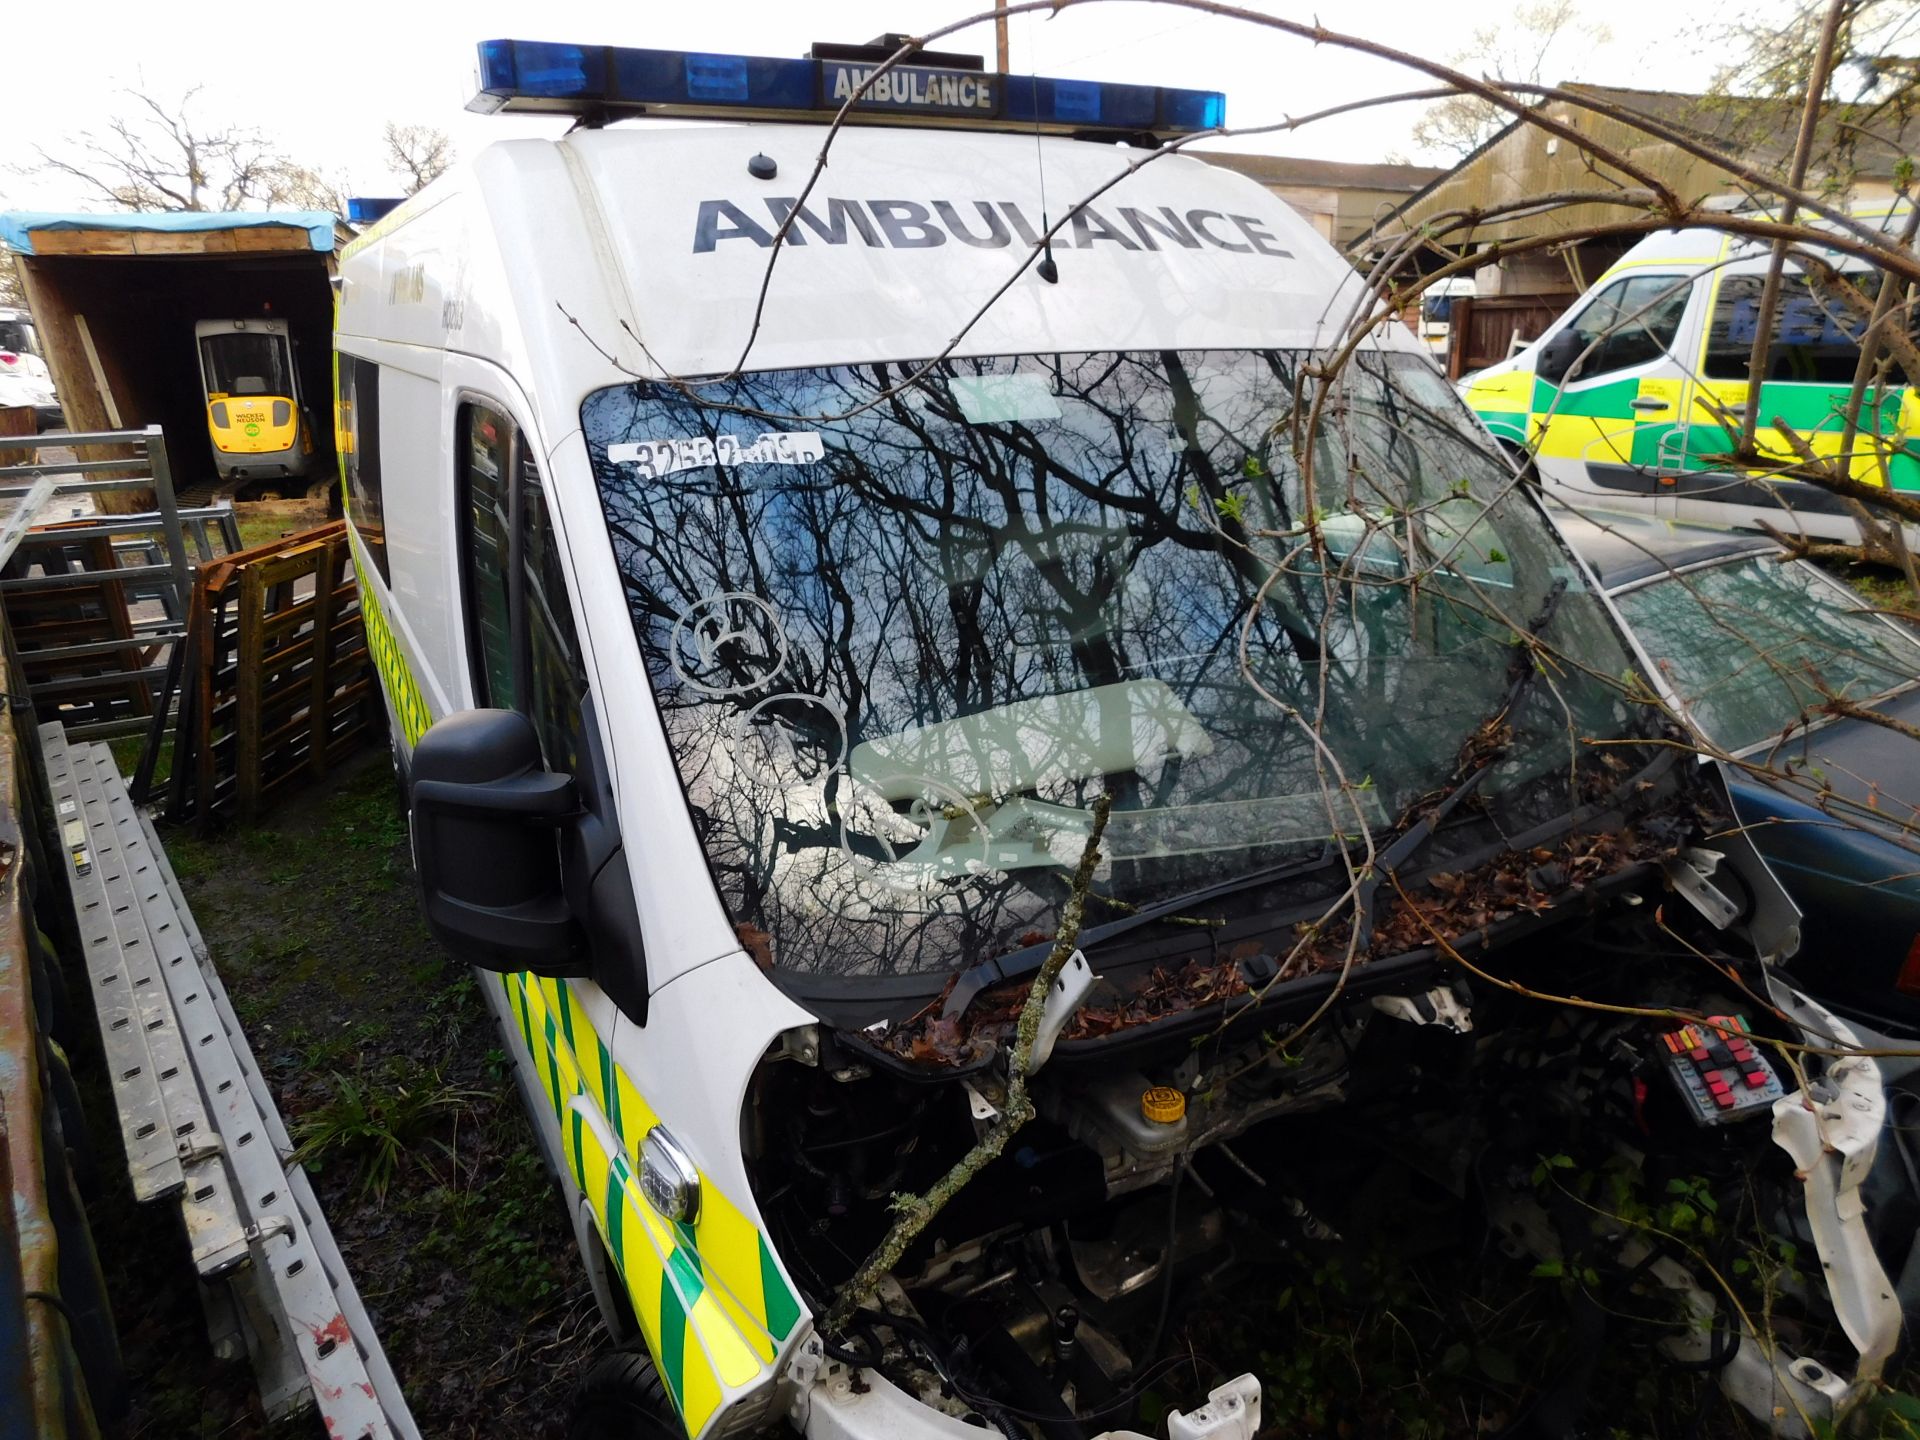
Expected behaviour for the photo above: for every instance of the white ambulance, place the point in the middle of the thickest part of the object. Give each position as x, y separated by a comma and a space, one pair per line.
767, 571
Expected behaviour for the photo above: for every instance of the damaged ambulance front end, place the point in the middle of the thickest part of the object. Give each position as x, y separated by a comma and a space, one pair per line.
865, 583
1399, 869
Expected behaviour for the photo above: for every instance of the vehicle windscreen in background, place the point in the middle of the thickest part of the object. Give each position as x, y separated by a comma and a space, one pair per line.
1755, 646
18, 336
244, 363
902, 634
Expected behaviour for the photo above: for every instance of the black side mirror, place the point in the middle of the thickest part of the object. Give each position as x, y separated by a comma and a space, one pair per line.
485, 840
1557, 356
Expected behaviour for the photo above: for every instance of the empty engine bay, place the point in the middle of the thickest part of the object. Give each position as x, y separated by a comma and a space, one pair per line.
1053, 1292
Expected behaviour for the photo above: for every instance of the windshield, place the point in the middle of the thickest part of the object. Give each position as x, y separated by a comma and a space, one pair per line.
902, 634
18, 336
245, 363
1753, 647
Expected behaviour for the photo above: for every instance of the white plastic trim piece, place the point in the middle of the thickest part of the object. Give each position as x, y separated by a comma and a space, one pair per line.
1070, 990
1438, 1006
828, 1401
1832, 1131
831, 1402
1232, 1412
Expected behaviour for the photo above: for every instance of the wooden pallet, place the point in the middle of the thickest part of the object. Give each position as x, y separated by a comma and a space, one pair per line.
278, 684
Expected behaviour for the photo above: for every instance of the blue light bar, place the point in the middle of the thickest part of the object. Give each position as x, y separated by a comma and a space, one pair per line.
365, 209
611, 81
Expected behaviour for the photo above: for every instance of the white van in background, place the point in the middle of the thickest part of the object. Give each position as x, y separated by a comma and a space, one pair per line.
25, 380
1436, 313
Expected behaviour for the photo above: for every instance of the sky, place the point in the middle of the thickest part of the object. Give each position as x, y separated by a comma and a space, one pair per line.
321, 79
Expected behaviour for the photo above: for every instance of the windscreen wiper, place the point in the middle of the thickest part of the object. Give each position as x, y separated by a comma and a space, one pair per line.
1526, 669
1028, 960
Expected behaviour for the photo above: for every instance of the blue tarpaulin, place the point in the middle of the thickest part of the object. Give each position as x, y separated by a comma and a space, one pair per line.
17, 227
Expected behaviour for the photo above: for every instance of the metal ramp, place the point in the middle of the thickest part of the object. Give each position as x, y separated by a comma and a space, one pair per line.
200, 1126
98, 602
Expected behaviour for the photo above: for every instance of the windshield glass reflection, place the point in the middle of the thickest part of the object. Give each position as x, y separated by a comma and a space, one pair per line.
901, 637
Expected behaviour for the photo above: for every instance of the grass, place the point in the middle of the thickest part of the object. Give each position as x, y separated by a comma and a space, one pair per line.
1882, 588
126, 756
491, 1231
379, 1126
261, 521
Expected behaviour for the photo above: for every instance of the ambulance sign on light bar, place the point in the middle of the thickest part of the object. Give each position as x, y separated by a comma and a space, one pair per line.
911, 87
610, 80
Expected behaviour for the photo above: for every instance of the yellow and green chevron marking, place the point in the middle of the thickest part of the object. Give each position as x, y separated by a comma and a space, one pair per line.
1600, 425
395, 676
712, 1302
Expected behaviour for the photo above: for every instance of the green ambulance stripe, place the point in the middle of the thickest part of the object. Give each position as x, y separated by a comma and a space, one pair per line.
673, 1340
397, 680
783, 1309
1606, 402
683, 1276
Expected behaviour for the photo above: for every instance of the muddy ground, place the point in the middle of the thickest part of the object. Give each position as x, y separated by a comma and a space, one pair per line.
387, 1065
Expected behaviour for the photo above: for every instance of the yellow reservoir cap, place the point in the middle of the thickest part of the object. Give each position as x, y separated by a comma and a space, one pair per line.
1163, 1105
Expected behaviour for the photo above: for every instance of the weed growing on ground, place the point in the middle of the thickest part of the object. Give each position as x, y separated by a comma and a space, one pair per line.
379, 1126
1882, 588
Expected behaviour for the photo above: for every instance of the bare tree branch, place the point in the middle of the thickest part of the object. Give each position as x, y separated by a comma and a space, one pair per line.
419, 152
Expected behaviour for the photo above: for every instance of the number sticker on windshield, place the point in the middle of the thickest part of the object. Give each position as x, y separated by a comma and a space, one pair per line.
654, 458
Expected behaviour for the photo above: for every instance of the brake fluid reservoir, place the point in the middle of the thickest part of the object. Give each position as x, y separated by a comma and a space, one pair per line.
1143, 1119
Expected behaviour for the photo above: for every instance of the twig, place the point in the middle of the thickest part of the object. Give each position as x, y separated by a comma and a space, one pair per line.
913, 1213
1762, 351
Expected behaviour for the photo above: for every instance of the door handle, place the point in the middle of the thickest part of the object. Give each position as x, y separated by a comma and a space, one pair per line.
1648, 402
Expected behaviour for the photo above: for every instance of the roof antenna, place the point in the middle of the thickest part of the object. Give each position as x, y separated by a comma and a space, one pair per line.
1046, 269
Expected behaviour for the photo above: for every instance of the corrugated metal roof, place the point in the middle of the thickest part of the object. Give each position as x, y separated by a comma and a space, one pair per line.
1523, 160
1333, 174
17, 227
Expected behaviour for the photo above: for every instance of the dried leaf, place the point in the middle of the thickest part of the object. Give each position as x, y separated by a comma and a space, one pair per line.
756, 942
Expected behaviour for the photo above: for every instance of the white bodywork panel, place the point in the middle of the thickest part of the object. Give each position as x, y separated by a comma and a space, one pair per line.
831, 1402
497, 260
850, 302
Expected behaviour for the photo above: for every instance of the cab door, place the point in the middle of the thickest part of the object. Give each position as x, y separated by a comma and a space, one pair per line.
1811, 358
701, 1291
523, 654
1611, 428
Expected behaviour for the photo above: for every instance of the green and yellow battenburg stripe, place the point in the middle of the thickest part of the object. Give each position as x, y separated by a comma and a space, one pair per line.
395, 676
1599, 423
1505, 403
713, 1304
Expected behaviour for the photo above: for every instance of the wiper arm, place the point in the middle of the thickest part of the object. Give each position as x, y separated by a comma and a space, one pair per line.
1526, 670
1028, 960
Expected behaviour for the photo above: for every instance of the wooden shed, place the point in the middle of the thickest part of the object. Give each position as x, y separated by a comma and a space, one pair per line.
116, 297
